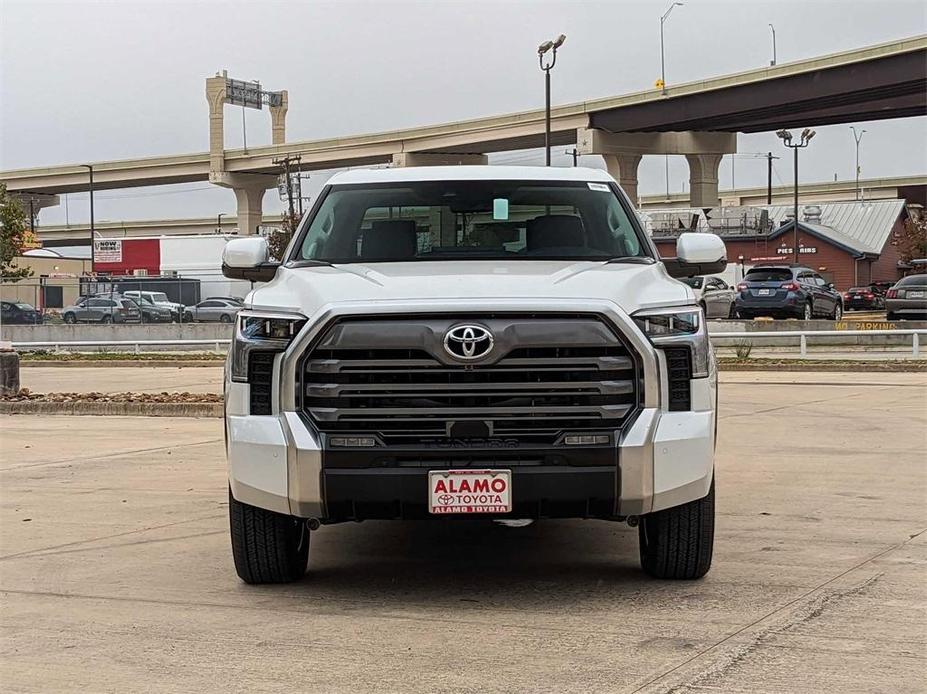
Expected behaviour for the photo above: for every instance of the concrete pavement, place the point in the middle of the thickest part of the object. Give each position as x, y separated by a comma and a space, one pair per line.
116, 574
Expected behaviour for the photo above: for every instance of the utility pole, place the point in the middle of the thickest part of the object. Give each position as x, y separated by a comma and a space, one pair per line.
769, 173
285, 163
575, 154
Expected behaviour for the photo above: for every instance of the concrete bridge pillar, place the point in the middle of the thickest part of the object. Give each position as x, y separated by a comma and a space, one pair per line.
215, 96
250, 208
403, 159
703, 179
278, 120
623, 168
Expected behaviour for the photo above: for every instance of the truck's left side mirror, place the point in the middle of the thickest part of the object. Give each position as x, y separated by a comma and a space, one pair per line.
697, 254
248, 259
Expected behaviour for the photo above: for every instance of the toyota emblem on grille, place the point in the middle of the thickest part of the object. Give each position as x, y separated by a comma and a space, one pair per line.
468, 342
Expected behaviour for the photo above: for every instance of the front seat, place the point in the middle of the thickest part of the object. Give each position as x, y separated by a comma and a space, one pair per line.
389, 239
554, 231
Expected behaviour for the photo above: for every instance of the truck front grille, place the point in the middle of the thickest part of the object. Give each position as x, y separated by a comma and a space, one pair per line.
405, 390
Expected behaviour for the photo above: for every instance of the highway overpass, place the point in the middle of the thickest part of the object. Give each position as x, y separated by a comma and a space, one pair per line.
698, 120
912, 188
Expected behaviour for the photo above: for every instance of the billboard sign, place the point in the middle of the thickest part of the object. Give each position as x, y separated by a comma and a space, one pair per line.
241, 93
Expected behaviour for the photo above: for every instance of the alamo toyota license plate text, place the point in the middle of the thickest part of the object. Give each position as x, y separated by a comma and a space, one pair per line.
470, 491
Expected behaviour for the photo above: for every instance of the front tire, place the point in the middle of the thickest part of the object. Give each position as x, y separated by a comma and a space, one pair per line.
225, 318
267, 547
838, 312
677, 543
70, 318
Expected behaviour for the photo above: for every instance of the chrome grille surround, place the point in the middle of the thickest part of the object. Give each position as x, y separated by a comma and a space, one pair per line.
548, 373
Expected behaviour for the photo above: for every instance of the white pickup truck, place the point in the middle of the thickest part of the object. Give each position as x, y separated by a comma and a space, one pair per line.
473, 341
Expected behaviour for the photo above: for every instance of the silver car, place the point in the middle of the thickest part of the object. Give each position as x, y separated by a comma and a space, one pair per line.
714, 295
213, 311
908, 298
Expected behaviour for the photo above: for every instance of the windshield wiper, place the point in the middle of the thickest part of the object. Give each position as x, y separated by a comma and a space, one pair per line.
309, 263
638, 259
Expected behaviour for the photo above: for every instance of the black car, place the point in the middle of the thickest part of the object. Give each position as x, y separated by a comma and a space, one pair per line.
863, 298
787, 291
19, 313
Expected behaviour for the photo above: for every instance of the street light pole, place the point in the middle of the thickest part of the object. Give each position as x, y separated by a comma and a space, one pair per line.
219, 222
543, 49
662, 54
93, 235
773, 30
786, 138
857, 136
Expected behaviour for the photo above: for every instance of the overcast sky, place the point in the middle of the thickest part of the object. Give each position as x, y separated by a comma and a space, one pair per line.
87, 81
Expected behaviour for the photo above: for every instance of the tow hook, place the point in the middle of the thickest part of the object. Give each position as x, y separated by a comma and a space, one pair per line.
314, 523
633, 521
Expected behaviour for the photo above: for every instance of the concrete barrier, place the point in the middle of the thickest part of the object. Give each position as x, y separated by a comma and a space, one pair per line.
102, 333
715, 328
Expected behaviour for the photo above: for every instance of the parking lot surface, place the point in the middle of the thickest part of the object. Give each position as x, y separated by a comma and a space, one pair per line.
116, 572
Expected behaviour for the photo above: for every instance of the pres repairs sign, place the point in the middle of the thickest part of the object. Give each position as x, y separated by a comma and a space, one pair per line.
469, 491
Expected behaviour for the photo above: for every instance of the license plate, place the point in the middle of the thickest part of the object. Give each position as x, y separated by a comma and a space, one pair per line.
764, 292
915, 295
469, 491
858, 296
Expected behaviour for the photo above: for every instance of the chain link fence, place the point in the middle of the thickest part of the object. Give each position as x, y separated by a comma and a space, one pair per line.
132, 300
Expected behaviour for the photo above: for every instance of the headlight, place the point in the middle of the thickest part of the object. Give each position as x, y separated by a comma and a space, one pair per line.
682, 326
266, 332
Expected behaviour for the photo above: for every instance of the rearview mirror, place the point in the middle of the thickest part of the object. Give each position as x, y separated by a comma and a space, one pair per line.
697, 254
247, 259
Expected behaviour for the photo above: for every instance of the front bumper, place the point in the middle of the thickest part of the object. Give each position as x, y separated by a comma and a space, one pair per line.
661, 459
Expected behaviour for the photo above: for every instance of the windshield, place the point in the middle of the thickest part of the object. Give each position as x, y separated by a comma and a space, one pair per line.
461, 220
911, 280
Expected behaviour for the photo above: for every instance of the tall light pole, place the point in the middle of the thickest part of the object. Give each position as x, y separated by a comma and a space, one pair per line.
548, 47
773, 30
93, 236
786, 138
662, 56
857, 135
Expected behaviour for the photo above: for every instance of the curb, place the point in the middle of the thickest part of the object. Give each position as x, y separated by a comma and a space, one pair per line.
124, 409
856, 367
99, 363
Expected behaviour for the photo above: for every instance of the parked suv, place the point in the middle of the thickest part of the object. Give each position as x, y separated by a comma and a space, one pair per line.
459, 342
109, 308
787, 291
143, 298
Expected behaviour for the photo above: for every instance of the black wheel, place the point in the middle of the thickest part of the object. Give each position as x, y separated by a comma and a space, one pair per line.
807, 312
70, 318
106, 319
838, 312
677, 543
267, 547
187, 317
225, 318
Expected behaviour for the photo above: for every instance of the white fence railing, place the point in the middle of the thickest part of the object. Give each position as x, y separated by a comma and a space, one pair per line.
217, 345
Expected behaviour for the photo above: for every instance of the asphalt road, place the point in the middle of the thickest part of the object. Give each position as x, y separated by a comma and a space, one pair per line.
116, 575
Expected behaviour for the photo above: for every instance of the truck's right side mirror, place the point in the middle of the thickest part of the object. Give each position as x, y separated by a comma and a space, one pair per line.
697, 254
248, 259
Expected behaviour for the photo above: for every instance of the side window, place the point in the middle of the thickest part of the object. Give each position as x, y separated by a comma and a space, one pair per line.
210, 304
805, 278
818, 280
721, 284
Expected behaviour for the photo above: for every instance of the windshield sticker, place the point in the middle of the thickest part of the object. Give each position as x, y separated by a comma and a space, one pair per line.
500, 209
601, 187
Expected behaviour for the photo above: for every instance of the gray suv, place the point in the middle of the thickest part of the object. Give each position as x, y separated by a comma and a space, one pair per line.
111, 308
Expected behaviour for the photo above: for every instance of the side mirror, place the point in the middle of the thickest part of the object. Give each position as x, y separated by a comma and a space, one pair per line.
697, 254
247, 259
830, 285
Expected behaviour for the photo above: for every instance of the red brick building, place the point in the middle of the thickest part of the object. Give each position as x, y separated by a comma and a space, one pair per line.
849, 243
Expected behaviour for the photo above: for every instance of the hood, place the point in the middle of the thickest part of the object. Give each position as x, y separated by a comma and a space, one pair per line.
629, 285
